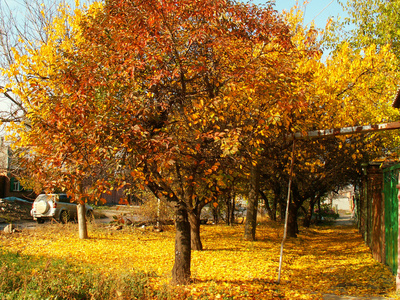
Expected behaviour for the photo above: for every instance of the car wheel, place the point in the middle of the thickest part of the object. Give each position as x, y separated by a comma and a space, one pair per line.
64, 217
90, 216
40, 220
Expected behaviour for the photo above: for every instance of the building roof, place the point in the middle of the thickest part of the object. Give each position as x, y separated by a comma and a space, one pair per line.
396, 103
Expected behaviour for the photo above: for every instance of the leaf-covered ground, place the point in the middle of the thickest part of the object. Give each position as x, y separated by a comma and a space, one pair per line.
321, 260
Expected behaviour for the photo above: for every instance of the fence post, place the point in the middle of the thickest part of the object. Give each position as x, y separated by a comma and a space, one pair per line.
398, 240
158, 212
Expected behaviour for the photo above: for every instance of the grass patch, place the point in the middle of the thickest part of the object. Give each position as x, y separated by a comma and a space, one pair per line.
35, 277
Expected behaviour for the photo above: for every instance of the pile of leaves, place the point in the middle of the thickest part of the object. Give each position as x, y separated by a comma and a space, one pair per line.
13, 209
325, 260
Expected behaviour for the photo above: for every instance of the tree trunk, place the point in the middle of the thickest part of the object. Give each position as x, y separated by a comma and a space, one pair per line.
283, 210
267, 206
307, 215
252, 206
292, 227
81, 211
195, 241
215, 214
230, 209
181, 269
277, 197
233, 211
319, 210
274, 209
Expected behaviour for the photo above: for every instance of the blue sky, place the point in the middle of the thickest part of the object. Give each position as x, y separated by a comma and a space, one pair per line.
318, 10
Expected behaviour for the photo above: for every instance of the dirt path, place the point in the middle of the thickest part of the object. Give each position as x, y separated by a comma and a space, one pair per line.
345, 219
103, 216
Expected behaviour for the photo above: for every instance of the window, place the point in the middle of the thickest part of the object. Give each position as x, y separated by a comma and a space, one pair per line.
15, 186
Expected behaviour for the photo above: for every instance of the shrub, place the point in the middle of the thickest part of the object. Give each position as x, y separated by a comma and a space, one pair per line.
149, 210
327, 213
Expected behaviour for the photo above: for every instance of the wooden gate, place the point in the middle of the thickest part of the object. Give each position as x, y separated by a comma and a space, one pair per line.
391, 179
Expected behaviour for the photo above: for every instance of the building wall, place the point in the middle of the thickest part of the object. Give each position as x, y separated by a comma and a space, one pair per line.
371, 211
115, 197
376, 221
7, 180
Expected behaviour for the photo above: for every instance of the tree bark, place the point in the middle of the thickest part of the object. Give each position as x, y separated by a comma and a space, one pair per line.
181, 269
81, 211
307, 215
282, 207
267, 206
277, 199
292, 227
195, 241
230, 208
319, 210
252, 206
215, 214
227, 201
233, 210
274, 209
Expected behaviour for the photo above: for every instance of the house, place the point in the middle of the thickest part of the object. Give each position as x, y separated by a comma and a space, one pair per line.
343, 199
396, 102
9, 185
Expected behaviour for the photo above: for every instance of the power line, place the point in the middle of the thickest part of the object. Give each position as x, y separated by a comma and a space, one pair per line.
323, 9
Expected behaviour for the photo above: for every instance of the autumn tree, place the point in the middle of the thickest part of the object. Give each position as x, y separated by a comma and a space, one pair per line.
38, 137
21, 37
325, 165
351, 87
27, 21
286, 89
358, 91
372, 22
160, 93
166, 96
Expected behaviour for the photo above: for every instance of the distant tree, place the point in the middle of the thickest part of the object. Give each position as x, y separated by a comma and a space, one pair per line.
24, 27
25, 20
350, 87
370, 22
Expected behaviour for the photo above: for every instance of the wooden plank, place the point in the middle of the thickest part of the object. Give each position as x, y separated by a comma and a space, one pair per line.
345, 131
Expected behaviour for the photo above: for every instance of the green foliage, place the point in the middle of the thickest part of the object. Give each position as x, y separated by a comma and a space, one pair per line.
369, 22
327, 212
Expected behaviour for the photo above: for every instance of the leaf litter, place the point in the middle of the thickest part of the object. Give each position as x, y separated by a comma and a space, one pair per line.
322, 260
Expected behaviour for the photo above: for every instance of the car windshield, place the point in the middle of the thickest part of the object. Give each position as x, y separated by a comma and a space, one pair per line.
64, 198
